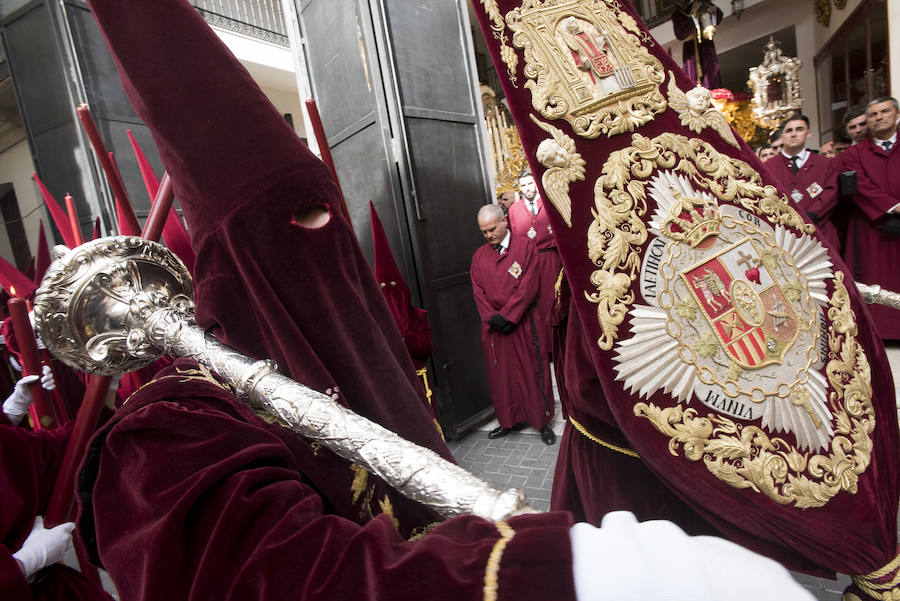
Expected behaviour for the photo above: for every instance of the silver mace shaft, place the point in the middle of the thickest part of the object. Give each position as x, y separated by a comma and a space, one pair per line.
875, 294
114, 305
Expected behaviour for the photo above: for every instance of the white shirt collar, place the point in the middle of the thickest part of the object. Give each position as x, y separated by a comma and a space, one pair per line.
803, 154
505, 243
892, 140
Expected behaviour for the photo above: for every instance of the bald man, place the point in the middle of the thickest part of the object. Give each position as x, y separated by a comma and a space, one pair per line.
505, 283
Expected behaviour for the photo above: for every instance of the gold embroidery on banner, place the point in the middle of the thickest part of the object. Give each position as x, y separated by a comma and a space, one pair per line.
696, 112
585, 63
617, 233
387, 508
360, 481
563, 166
602, 443
507, 54
492, 570
747, 457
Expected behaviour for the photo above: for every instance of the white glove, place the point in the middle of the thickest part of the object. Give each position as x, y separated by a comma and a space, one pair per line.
48, 381
656, 560
44, 547
16, 405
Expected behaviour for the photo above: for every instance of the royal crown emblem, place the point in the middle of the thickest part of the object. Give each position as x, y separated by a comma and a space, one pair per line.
691, 219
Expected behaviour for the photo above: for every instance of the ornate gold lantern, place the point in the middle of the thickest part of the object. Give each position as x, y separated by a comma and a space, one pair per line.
503, 140
776, 87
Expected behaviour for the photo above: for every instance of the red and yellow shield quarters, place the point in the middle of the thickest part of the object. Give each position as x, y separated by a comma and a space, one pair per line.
746, 308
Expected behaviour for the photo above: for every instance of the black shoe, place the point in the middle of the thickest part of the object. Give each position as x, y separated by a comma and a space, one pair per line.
500, 432
547, 435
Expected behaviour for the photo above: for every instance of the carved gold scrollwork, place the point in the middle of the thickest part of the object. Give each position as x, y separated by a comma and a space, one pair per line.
586, 62
748, 457
498, 27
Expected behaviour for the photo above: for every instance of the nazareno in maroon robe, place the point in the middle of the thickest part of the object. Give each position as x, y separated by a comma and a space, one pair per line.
816, 186
521, 221
873, 256
29, 463
198, 499
517, 366
265, 283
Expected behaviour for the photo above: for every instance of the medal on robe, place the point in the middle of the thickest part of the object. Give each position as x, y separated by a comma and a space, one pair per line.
814, 190
549, 230
531, 232
515, 270
797, 195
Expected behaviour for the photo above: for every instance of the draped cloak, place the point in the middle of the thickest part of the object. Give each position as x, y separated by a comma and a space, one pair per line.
517, 366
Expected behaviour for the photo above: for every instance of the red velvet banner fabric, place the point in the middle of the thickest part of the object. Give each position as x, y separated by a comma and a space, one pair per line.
729, 346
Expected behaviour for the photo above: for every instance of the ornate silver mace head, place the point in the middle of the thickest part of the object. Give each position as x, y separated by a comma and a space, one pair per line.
116, 304
95, 302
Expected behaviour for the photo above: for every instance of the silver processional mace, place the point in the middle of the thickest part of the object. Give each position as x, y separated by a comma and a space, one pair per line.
116, 304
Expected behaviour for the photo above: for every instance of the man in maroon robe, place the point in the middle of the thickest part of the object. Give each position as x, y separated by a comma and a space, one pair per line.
505, 279
528, 218
873, 235
856, 124
808, 178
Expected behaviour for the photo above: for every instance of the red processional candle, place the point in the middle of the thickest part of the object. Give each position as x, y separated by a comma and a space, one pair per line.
39, 411
106, 161
319, 132
73, 220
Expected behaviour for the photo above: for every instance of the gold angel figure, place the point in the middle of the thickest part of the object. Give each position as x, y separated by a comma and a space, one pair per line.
697, 112
563, 166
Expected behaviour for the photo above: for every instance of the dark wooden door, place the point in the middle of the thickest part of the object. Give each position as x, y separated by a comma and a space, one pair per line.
393, 82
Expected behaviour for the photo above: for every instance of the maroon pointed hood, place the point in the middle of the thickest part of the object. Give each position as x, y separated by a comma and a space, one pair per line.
42, 257
268, 280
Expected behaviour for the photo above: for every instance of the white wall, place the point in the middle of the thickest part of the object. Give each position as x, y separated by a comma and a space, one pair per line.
16, 168
272, 67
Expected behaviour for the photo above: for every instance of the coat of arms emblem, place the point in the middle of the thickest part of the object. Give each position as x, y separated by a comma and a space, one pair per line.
730, 296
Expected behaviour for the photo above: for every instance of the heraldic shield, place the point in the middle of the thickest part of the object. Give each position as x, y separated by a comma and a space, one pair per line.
731, 346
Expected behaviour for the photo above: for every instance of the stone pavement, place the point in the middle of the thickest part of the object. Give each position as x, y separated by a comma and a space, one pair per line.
522, 460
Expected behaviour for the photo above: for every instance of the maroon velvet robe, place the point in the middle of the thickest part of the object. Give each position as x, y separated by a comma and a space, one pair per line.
816, 186
872, 256
29, 463
521, 222
213, 506
517, 366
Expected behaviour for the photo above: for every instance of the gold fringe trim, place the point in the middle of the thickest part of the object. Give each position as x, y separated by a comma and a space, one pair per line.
492, 570
886, 591
603, 443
